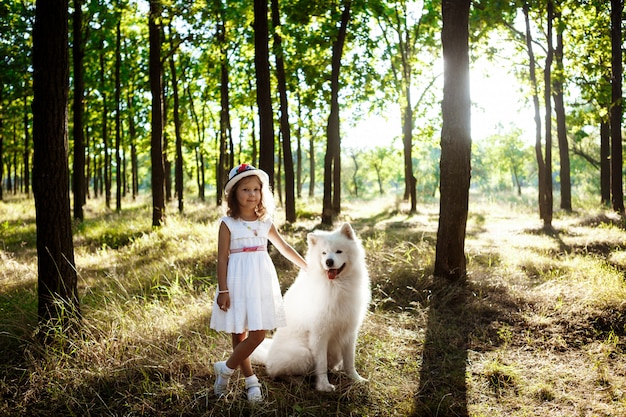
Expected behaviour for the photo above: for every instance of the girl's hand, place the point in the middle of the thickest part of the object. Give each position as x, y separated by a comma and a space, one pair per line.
223, 301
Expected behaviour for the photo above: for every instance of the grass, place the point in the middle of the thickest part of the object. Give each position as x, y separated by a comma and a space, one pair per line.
538, 329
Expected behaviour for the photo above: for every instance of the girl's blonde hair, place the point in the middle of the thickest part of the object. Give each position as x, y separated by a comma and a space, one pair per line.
265, 208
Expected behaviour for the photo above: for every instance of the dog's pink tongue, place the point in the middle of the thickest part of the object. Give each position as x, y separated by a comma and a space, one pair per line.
332, 273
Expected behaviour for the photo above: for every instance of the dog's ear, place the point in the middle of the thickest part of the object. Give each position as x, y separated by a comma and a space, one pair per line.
311, 238
347, 230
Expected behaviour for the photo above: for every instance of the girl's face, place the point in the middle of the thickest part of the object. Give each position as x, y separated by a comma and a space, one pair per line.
249, 192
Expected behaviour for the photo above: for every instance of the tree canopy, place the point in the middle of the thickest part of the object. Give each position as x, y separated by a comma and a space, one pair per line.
391, 66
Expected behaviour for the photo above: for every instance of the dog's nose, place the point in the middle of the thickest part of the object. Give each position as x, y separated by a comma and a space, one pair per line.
329, 262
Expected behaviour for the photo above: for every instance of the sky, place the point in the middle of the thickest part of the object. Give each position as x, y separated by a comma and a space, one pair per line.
497, 105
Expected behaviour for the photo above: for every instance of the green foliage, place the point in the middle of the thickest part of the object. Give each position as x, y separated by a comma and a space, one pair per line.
503, 162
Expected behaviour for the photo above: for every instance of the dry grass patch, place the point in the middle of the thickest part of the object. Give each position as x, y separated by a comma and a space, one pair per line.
538, 329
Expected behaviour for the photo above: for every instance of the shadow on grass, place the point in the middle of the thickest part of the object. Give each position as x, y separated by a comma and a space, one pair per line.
442, 387
461, 316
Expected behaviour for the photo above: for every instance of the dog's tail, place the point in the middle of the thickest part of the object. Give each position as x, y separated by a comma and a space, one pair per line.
261, 352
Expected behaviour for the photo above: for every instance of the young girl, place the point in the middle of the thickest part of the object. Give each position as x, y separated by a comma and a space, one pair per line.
248, 300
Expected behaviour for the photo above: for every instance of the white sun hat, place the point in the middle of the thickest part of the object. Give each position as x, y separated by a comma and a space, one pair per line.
242, 171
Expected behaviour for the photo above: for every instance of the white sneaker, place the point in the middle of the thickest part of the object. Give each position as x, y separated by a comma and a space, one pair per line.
222, 375
253, 388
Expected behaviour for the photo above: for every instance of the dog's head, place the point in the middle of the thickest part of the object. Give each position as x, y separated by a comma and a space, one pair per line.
334, 250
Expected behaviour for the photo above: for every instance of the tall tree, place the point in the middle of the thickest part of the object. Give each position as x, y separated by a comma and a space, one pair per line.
57, 278
106, 167
263, 90
541, 166
605, 162
456, 142
331, 205
617, 192
547, 199
156, 137
561, 126
78, 54
178, 164
285, 130
1, 148
411, 39
118, 115
225, 154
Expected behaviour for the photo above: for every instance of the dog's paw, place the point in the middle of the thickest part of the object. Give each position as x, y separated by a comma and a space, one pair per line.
326, 387
357, 378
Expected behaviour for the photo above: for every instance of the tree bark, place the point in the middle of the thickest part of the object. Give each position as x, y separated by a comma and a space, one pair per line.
561, 126
105, 135
156, 136
541, 169
26, 153
547, 199
132, 136
456, 141
1, 151
290, 201
225, 155
331, 205
78, 54
57, 278
617, 192
178, 163
263, 90
605, 163
118, 118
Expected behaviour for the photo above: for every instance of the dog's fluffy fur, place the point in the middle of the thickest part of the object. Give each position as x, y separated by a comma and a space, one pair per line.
325, 307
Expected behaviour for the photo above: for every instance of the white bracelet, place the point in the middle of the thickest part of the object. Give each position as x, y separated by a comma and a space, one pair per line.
222, 292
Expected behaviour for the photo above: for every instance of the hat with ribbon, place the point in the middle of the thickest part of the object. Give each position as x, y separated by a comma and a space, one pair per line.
243, 171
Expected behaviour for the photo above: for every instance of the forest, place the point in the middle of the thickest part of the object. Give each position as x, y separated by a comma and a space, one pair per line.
497, 258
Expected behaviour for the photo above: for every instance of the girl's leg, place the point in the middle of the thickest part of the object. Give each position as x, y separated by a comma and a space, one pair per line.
243, 346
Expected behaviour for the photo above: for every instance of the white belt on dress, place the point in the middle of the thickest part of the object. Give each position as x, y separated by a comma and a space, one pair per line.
249, 249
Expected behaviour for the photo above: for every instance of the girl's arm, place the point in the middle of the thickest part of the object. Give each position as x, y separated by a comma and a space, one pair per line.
284, 248
223, 251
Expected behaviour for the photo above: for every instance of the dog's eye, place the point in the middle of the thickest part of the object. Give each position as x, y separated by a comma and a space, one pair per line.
324, 253
339, 251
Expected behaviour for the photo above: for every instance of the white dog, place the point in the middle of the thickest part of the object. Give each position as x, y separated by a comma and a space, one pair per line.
325, 307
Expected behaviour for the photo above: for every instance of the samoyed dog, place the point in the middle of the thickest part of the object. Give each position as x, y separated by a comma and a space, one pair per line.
325, 307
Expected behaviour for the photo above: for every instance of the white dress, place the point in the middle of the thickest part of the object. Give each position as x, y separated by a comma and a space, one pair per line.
256, 302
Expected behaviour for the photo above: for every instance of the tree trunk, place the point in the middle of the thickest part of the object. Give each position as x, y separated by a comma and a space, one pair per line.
561, 127
312, 160
299, 150
178, 164
407, 139
1, 150
605, 163
198, 148
78, 54
263, 91
57, 278
548, 198
132, 135
156, 137
541, 170
617, 192
118, 120
355, 176
331, 205
290, 201
26, 154
105, 133
456, 141
224, 158
167, 164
